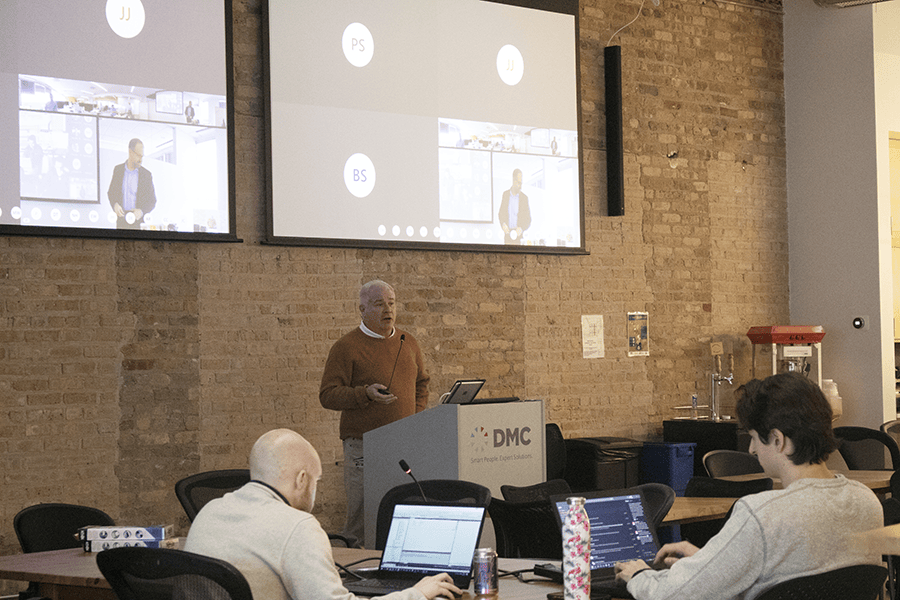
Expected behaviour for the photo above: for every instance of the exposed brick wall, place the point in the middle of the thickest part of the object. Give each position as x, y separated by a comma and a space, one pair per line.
127, 365
60, 339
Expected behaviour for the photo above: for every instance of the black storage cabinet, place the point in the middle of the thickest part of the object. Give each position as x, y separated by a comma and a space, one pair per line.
602, 463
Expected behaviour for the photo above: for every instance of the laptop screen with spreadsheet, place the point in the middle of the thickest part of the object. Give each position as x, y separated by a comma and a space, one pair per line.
432, 538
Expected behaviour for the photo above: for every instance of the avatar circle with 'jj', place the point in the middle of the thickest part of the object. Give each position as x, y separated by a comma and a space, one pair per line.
510, 65
125, 17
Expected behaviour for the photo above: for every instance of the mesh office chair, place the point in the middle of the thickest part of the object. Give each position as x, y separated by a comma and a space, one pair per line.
53, 526
533, 493
707, 487
857, 582
526, 529
724, 463
892, 428
196, 490
164, 574
435, 490
864, 448
659, 499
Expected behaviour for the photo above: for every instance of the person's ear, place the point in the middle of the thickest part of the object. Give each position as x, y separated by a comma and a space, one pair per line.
299, 482
777, 438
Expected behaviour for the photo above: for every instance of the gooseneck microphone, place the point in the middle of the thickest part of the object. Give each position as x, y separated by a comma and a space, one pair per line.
400, 349
408, 471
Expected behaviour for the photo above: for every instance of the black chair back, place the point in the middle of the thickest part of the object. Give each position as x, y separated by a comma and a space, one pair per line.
54, 526
556, 451
164, 574
857, 582
708, 487
659, 498
892, 428
526, 529
195, 491
533, 493
864, 448
435, 490
724, 463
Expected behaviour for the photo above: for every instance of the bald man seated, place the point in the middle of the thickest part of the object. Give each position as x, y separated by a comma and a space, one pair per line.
266, 529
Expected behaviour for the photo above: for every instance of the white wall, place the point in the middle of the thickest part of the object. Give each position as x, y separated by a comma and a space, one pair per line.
886, 32
833, 218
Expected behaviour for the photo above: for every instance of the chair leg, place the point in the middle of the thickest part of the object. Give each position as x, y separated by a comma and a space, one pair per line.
892, 594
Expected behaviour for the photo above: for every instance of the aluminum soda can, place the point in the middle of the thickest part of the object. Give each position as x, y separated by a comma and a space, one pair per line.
485, 567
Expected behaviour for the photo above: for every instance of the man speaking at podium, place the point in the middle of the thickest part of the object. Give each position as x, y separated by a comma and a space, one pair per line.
374, 375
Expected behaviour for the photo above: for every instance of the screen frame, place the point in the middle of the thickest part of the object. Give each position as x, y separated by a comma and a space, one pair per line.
160, 235
570, 7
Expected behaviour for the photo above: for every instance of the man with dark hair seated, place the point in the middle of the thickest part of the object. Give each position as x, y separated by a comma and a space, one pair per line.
773, 536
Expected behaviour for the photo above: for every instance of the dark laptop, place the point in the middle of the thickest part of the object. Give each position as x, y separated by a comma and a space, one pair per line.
463, 391
619, 531
425, 539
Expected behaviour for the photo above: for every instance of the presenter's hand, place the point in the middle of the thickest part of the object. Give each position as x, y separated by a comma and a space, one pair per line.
505, 227
119, 210
626, 570
138, 214
379, 393
669, 554
438, 585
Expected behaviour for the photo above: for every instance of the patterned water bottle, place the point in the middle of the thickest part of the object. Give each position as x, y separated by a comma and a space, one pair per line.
576, 563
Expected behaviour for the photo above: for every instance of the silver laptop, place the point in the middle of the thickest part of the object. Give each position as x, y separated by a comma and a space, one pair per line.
425, 539
463, 391
620, 530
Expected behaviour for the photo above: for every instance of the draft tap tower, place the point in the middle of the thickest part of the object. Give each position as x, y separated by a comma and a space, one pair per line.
716, 379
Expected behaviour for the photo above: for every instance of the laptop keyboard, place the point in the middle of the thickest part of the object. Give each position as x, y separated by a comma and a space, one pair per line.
378, 587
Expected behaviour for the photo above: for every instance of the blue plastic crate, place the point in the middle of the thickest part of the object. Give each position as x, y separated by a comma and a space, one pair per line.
669, 463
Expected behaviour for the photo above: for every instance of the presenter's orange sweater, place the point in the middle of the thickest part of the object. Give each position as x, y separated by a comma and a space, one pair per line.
358, 360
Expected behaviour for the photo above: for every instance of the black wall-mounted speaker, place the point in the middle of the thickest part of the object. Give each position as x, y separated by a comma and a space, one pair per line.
615, 160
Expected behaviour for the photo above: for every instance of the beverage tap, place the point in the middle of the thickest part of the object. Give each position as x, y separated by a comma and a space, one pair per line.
715, 380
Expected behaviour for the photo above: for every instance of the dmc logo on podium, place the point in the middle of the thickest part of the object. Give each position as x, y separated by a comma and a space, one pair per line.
478, 440
512, 437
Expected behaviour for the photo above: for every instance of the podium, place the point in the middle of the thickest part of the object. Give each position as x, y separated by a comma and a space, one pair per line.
489, 444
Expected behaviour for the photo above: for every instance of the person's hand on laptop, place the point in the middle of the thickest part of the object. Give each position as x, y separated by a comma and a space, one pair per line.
669, 554
625, 570
438, 585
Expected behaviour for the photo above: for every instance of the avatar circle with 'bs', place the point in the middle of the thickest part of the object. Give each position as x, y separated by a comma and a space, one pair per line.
359, 175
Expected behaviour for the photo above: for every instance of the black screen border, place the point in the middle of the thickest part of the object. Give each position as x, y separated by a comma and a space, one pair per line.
185, 236
569, 7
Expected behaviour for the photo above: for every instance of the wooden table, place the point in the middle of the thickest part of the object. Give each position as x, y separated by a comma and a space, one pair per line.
60, 574
885, 540
73, 575
510, 587
692, 510
878, 481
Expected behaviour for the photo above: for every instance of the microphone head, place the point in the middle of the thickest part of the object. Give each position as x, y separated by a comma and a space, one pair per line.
405, 466
402, 336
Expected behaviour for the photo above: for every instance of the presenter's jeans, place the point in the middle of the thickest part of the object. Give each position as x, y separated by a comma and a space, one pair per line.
354, 526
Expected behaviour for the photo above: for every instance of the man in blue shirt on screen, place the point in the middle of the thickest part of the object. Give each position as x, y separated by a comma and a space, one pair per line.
131, 192
515, 214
